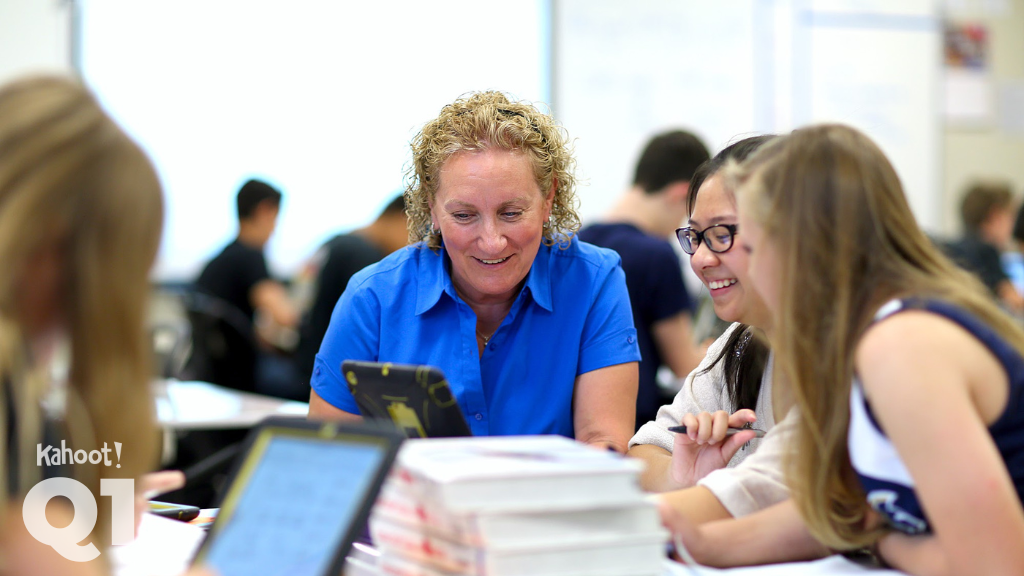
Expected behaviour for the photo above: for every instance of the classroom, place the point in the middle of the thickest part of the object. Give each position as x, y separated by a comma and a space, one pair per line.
860, 182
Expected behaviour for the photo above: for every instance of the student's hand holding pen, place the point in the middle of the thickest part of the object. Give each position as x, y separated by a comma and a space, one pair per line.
708, 442
151, 485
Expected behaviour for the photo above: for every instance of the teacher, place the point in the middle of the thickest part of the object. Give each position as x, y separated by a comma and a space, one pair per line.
532, 327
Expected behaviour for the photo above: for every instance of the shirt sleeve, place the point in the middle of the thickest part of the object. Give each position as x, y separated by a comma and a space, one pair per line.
253, 270
669, 296
609, 337
990, 267
759, 481
353, 334
979, 258
341, 262
701, 392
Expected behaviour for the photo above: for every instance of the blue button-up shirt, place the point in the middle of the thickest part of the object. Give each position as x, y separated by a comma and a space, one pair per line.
571, 317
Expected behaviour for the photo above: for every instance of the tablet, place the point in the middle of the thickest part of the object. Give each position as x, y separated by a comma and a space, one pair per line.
417, 399
299, 495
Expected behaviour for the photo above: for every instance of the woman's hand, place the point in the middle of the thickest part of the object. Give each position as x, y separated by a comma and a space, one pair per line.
152, 484
922, 555
768, 536
705, 447
687, 538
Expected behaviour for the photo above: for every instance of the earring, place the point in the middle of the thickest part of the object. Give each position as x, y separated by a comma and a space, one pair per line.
434, 231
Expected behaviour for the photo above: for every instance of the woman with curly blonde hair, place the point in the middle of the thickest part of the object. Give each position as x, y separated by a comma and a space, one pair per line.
531, 326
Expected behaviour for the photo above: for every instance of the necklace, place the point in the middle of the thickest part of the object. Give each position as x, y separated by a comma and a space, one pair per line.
484, 338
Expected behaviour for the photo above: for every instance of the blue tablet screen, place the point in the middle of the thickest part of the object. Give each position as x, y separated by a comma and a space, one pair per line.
289, 511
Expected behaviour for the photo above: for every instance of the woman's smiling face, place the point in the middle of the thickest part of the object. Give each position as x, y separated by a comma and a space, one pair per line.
491, 215
725, 273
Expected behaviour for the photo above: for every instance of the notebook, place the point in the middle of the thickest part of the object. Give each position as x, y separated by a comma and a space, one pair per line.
417, 399
298, 497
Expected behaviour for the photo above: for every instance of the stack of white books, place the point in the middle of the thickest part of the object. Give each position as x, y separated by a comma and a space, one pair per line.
515, 506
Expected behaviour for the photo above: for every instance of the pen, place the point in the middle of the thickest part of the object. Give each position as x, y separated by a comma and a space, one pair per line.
729, 432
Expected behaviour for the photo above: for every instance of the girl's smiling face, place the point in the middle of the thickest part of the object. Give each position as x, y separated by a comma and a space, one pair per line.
725, 273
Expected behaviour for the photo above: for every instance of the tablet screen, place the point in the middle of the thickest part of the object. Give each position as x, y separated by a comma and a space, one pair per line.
292, 505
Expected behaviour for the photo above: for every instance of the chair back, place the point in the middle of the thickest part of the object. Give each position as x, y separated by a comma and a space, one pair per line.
223, 344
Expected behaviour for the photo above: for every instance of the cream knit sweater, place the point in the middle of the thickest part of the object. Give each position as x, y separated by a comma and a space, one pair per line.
754, 478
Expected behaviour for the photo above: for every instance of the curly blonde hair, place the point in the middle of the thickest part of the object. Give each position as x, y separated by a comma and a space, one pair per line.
490, 120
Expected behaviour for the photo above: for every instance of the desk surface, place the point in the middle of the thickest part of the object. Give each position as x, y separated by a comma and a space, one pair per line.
165, 547
831, 566
190, 405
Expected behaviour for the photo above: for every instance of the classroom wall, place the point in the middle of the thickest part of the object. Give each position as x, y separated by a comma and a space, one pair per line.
988, 150
723, 69
36, 35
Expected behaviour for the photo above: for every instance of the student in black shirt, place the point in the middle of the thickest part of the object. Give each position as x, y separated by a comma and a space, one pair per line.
335, 263
639, 227
238, 274
987, 213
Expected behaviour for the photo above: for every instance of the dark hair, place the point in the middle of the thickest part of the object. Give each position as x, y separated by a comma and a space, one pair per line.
668, 158
980, 200
1018, 226
252, 193
395, 207
737, 151
745, 354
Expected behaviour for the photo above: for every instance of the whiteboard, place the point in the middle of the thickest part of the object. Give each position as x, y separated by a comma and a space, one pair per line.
321, 97
625, 71
725, 70
318, 97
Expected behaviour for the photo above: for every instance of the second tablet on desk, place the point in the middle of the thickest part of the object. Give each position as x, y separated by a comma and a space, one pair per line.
416, 398
299, 496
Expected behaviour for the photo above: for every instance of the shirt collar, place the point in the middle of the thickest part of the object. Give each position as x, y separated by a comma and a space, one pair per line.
538, 280
435, 280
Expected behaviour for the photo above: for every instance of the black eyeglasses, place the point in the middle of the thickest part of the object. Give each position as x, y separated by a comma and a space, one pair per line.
718, 238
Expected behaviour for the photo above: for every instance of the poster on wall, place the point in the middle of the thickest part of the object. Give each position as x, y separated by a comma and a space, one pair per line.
967, 76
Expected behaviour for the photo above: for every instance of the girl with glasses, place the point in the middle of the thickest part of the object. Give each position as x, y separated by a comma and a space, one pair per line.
733, 385
909, 380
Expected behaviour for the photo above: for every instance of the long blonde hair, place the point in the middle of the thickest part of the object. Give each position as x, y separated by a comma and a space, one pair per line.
847, 242
70, 177
490, 120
